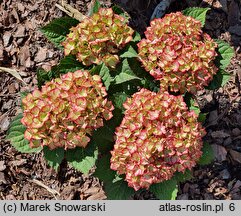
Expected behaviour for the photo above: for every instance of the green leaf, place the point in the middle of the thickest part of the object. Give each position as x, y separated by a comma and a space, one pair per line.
119, 98
225, 54
126, 73
53, 157
15, 135
182, 177
103, 71
191, 103
219, 80
136, 37
197, 13
23, 94
95, 8
104, 137
129, 52
115, 186
118, 189
207, 156
103, 171
195, 108
83, 159
166, 190
188, 98
151, 84
69, 64
43, 76
118, 10
202, 117
57, 29
105, 75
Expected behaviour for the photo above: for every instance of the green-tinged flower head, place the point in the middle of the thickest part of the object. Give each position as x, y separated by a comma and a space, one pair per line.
66, 111
157, 137
99, 38
178, 53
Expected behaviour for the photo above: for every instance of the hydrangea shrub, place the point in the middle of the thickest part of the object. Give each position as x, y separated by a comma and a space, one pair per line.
177, 52
99, 38
106, 104
157, 137
66, 111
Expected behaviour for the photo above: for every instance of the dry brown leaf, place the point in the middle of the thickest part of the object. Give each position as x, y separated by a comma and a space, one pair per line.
12, 72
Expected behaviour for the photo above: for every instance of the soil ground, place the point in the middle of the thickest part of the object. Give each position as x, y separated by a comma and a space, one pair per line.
24, 48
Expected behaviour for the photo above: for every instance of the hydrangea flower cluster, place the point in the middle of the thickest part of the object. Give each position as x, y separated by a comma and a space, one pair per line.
178, 53
66, 111
157, 137
98, 38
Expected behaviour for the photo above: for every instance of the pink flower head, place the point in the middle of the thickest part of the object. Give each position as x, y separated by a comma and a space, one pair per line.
157, 137
66, 111
99, 38
178, 53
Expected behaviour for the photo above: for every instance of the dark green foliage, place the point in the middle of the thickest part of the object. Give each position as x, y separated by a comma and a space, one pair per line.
115, 186
197, 13
166, 190
57, 29
54, 157
15, 135
207, 156
83, 159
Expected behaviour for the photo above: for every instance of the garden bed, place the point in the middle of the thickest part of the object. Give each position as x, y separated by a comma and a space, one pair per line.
24, 48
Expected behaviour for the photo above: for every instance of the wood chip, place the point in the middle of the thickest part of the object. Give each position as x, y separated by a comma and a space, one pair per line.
220, 152
212, 117
98, 196
225, 174
2, 178
235, 155
227, 141
233, 13
235, 29
224, 5
236, 132
18, 162
183, 196
41, 55
92, 190
6, 38
20, 31
219, 134
10, 197
20, 7
4, 123
68, 193
24, 56
2, 166
15, 14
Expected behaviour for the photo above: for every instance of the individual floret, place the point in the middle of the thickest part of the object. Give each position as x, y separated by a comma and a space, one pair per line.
157, 137
178, 53
66, 111
99, 38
